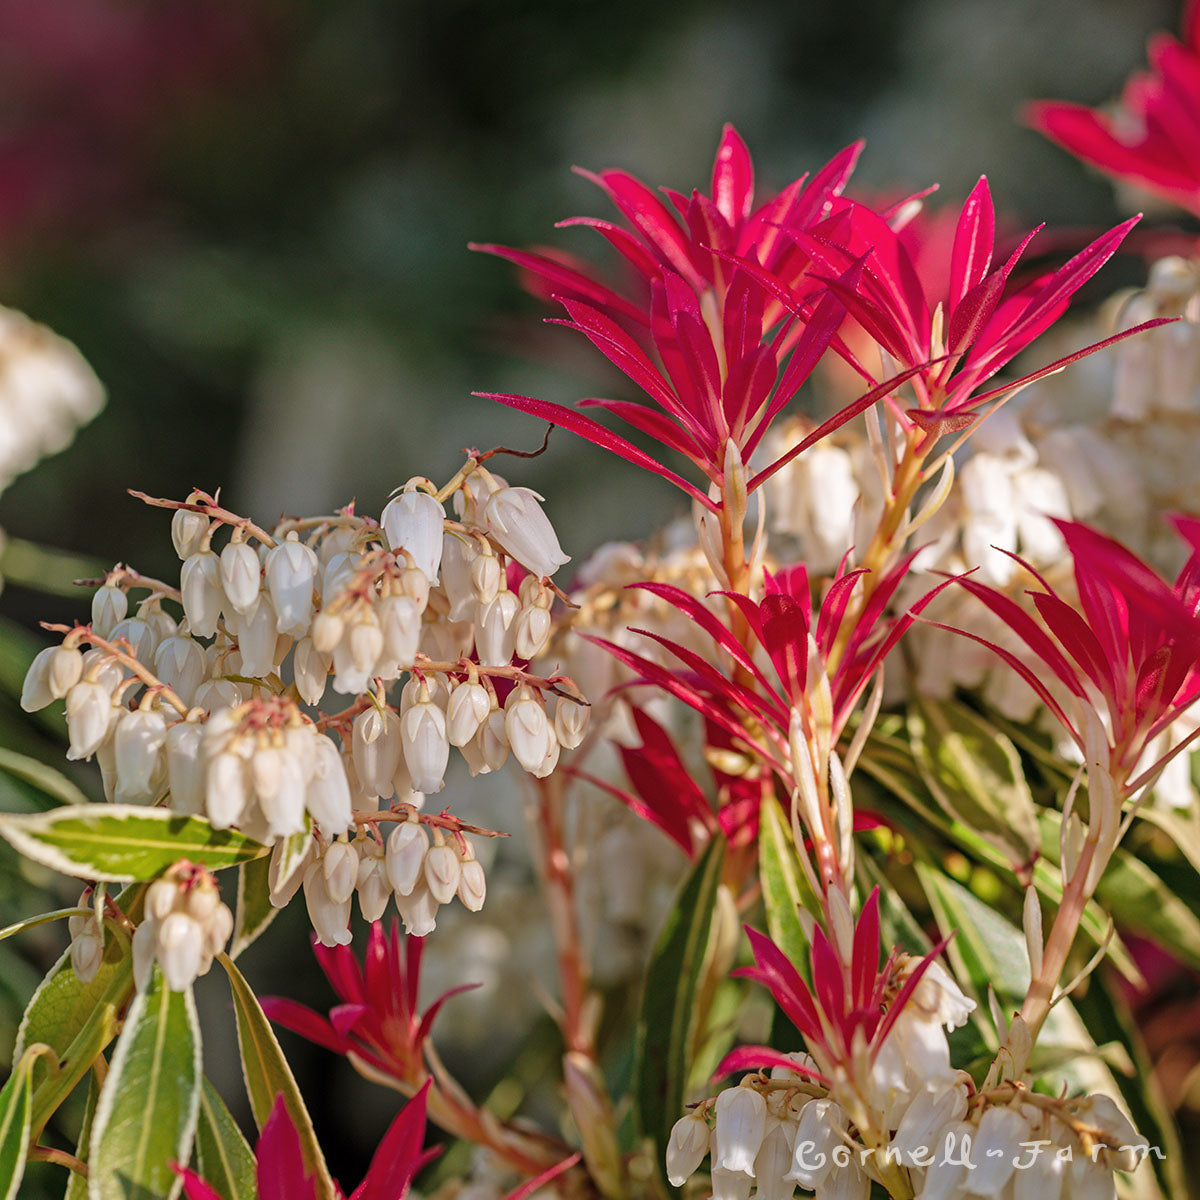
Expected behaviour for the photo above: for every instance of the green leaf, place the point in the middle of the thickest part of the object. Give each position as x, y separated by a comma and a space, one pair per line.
53, 784
76, 1183
785, 889
76, 1020
254, 908
268, 1075
975, 773
16, 1115
59, 914
122, 842
666, 1026
222, 1153
146, 1115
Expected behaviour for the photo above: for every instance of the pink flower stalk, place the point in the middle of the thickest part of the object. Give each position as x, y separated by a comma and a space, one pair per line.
716, 338
283, 1175
1131, 649
1153, 140
377, 1022
848, 1005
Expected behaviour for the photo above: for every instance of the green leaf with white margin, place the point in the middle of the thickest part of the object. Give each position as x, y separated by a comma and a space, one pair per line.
268, 1075
222, 1153
77, 1183
785, 889
146, 1115
666, 1024
123, 842
51, 783
16, 1114
254, 908
77, 1020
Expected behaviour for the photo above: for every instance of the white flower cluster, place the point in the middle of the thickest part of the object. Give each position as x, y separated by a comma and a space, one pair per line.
420, 874
211, 713
185, 925
47, 391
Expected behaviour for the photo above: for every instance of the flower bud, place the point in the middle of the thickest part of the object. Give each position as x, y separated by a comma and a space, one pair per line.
472, 884
426, 748
466, 711
570, 722
407, 846
740, 1128
516, 520
414, 521
442, 872
109, 606
327, 631
188, 530
200, 587
686, 1148
485, 577
241, 575
528, 732
87, 953
291, 570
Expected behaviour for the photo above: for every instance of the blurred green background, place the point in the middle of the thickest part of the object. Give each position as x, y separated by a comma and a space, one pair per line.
252, 218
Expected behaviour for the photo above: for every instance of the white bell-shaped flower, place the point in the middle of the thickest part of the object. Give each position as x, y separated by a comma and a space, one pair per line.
407, 846
1128, 1147
330, 919
310, 669
328, 795
951, 1162
225, 792
90, 716
414, 521
328, 629
257, 638
426, 746
933, 1108
773, 1161
531, 631
997, 1149
741, 1124
179, 663
139, 741
291, 572
400, 622
492, 740
185, 767
526, 727
340, 864
64, 670
180, 946
109, 606
939, 997
486, 577
374, 890
87, 948
818, 1132
458, 553
36, 691
686, 1148
376, 744
731, 1185
241, 574
516, 520
496, 631
570, 723
200, 588
418, 910
141, 636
